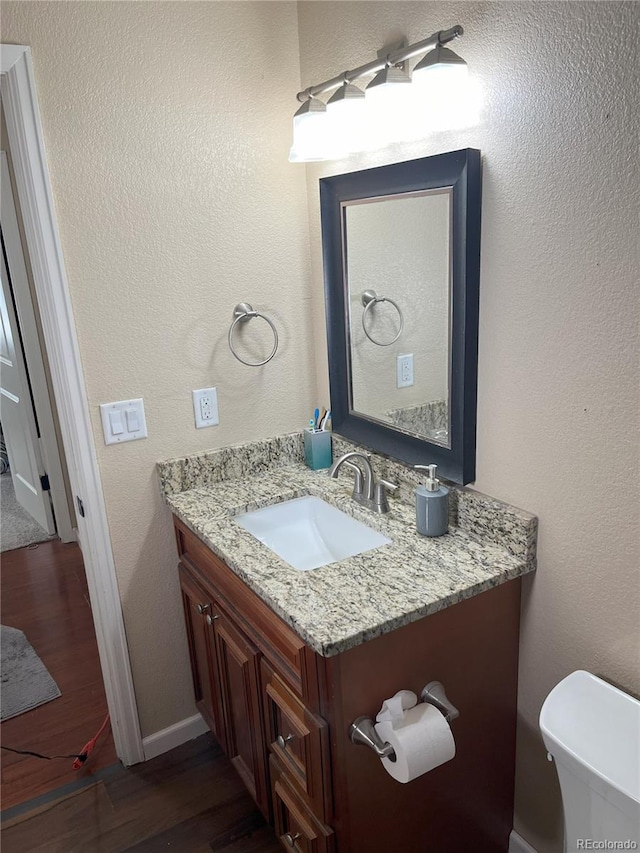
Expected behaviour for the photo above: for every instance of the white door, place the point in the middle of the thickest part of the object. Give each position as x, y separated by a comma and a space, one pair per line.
17, 415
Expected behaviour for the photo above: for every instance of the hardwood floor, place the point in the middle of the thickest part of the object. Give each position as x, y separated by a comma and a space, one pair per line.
190, 800
44, 594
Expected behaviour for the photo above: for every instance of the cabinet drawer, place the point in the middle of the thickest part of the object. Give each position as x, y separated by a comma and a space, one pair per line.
286, 651
296, 827
299, 740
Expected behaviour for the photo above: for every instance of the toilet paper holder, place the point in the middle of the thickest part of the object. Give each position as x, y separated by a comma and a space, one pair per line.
362, 730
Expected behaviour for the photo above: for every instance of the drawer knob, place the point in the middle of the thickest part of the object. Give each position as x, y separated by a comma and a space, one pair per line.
283, 741
291, 839
210, 619
202, 608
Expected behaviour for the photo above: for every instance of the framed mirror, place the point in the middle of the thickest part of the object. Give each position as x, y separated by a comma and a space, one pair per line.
401, 246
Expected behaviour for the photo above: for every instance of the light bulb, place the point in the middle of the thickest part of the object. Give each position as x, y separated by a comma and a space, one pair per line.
444, 95
347, 113
311, 133
388, 106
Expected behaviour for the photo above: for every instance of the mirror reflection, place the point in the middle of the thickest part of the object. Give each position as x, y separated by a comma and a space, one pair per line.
397, 279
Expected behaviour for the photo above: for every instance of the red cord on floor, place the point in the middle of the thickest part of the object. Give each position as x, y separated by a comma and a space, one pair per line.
88, 748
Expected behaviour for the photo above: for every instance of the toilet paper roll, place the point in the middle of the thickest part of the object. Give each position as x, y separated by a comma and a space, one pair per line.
422, 742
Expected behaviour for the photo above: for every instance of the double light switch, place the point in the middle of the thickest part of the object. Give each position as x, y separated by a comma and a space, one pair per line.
123, 421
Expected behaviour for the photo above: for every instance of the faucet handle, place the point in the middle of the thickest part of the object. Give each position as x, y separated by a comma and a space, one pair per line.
380, 502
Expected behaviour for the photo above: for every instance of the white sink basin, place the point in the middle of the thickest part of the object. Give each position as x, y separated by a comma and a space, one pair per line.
308, 532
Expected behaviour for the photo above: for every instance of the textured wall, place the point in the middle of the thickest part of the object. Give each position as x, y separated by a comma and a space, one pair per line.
168, 156
558, 409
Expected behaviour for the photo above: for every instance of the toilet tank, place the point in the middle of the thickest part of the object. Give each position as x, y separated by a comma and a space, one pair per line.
592, 730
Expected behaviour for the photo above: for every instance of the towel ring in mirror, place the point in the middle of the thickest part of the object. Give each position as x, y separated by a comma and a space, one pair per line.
242, 313
369, 298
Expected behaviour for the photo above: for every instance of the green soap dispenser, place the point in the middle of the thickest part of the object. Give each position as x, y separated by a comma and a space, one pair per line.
432, 505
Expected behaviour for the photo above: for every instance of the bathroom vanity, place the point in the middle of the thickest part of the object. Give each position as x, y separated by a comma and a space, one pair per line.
284, 661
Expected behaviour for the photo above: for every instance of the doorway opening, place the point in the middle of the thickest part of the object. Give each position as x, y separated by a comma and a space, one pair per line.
35, 492
53, 698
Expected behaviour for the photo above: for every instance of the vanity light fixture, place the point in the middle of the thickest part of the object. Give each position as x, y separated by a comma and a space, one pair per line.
441, 62
323, 131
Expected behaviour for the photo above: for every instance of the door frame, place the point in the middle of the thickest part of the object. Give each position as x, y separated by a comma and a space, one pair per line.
33, 189
32, 353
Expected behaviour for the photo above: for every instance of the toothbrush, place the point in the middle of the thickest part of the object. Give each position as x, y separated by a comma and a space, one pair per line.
323, 425
316, 415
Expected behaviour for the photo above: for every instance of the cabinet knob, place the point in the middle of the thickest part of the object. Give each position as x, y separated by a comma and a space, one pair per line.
210, 619
202, 608
291, 839
283, 741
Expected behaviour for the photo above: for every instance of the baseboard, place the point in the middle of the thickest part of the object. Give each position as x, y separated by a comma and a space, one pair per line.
173, 736
517, 844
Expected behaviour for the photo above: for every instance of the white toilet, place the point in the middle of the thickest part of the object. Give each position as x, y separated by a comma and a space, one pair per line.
592, 730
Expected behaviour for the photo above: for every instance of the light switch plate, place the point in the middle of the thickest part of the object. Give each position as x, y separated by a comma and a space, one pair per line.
120, 419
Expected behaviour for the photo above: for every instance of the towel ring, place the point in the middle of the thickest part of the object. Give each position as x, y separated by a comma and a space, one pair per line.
242, 313
369, 298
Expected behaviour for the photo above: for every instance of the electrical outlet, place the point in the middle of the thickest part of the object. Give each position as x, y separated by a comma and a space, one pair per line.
205, 407
404, 371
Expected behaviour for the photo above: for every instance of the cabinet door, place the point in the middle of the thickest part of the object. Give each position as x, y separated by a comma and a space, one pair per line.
238, 661
198, 614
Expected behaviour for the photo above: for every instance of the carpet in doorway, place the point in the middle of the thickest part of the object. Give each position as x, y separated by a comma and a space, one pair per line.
17, 528
25, 680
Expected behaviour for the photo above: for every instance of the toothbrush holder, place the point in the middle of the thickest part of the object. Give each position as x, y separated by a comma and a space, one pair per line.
317, 449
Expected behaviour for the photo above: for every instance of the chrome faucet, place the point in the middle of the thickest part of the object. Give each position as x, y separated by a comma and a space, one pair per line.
365, 489
359, 494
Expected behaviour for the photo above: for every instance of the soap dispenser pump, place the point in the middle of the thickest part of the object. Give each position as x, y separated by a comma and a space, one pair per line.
432, 505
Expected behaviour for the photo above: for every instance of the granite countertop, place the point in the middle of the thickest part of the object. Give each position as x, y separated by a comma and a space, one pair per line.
336, 607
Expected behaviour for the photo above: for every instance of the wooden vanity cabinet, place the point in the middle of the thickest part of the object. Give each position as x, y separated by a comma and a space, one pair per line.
255, 683
282, 713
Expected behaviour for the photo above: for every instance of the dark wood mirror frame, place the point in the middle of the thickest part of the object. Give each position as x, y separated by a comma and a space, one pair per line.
460, 170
